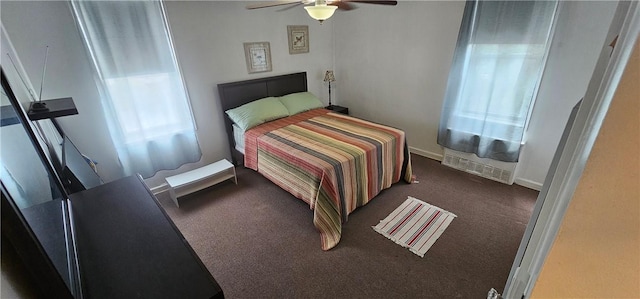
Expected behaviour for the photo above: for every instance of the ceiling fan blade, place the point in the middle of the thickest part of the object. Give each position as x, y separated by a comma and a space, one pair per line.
291, 6
272, 3
373, 2
342, 5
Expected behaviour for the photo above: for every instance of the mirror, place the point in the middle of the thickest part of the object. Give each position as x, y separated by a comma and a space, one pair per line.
33, 191
22, 172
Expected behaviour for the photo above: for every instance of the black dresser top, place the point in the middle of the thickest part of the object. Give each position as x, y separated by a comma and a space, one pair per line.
129, 248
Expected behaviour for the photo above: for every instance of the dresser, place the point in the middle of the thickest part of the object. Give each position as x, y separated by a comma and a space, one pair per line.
128, 247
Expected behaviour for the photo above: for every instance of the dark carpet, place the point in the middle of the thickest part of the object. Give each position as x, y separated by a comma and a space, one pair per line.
259, 241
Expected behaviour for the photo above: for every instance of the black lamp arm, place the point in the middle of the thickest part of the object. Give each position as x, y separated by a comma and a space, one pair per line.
329, 93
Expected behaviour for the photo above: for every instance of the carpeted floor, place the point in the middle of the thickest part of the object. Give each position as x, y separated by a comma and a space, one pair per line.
259, 241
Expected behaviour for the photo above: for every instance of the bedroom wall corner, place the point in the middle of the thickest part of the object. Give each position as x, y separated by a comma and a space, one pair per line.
393, 64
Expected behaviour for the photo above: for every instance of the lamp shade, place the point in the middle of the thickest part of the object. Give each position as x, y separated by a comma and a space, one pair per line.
329, 77
320, 12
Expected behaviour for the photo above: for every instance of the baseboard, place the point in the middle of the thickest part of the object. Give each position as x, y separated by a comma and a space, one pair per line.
160, 189
428, 154
528, 183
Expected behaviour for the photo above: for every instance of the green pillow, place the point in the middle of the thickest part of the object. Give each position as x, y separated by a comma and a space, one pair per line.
257, 112
300, 102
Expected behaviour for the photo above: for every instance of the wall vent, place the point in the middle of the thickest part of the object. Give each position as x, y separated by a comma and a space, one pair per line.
503, 172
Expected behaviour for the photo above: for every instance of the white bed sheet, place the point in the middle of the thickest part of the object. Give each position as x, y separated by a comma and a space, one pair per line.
238, 137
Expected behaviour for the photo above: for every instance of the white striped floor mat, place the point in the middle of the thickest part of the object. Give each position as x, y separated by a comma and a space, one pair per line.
415, 224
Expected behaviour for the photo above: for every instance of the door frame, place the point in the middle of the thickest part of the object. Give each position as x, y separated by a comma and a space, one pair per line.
559, 189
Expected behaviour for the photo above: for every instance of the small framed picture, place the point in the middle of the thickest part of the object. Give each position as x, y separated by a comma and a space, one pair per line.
298, 39
258, 56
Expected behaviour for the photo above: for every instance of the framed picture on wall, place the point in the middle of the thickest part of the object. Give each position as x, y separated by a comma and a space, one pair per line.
298, 39
258, 56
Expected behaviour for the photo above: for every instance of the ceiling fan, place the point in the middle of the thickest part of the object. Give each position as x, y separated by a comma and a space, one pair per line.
322, 9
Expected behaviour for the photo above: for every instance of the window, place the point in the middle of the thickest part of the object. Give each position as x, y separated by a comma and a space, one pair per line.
506, 101
154, 94
141, 87
496, 70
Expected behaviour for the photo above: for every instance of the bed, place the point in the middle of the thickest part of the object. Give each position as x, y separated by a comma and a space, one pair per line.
333, 162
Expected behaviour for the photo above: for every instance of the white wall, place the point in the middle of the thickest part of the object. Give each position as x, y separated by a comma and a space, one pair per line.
208, 39
580, 33
392, 65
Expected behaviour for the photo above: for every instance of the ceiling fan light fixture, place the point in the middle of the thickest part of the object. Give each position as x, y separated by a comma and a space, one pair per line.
320, 12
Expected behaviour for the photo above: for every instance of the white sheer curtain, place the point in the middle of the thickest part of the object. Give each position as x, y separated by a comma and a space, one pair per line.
496, 70
145, 101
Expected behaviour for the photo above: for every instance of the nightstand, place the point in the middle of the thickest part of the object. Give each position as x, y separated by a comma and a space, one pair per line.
339, 109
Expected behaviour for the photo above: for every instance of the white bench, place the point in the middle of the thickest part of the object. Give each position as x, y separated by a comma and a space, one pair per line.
198, 179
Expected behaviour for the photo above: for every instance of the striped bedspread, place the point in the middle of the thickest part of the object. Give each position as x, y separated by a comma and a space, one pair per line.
334, 162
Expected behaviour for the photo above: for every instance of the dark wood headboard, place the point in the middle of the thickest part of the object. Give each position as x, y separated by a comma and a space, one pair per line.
236, 94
